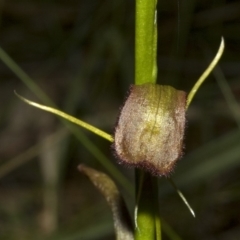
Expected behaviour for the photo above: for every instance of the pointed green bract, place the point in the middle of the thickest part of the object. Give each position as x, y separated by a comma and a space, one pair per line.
205, 73
68, 117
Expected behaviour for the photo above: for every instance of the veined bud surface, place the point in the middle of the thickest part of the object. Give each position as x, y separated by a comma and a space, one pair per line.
150, 129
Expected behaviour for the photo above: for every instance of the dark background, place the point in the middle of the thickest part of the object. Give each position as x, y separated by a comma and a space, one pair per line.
81, 54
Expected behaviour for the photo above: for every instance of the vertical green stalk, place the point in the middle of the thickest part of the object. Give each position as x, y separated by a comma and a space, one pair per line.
146, 42
147, 218
144, 212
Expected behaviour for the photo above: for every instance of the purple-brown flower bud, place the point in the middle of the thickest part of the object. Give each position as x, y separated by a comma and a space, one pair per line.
150, 129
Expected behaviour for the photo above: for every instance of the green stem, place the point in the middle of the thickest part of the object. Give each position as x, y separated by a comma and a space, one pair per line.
156, 209
146, 42
147, 218
144, 212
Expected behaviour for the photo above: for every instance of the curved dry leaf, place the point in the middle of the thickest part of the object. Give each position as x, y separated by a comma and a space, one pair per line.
122, 222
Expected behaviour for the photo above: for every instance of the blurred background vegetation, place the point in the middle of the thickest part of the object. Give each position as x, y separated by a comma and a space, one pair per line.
81, 54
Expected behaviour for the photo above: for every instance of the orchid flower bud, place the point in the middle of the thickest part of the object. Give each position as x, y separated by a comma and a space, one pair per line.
150, 129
